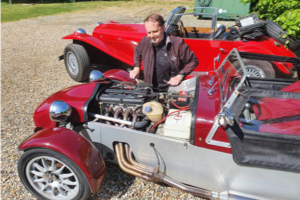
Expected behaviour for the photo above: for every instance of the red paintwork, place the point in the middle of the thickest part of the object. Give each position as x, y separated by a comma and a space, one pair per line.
271, 108
75, 96
208, 108
119, 74
279, 107
120, 40
73, 146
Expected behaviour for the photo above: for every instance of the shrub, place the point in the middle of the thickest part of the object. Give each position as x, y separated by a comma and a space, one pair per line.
286, 13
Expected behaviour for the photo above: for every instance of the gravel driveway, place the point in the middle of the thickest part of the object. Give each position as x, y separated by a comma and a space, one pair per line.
30, 72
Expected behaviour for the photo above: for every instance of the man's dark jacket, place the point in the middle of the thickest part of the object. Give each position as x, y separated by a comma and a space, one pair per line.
183, 59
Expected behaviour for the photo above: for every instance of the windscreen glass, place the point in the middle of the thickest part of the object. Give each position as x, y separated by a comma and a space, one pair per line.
231, 75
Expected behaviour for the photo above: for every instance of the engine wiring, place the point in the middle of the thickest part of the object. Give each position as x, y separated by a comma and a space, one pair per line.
183, 108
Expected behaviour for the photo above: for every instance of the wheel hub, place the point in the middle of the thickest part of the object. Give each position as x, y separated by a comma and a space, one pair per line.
254, 71
52, 178
72, 63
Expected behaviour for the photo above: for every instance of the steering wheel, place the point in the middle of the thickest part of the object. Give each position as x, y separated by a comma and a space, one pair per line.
183, 29
176, 31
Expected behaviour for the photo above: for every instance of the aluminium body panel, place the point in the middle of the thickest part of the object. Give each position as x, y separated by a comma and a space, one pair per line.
198, 166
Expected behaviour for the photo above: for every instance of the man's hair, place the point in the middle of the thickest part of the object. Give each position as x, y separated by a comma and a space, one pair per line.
155, 18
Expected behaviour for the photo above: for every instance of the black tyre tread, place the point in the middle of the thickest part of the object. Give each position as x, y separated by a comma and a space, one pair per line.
297, 53
294, 44
263, 65
28, 155
83, 62
275, 31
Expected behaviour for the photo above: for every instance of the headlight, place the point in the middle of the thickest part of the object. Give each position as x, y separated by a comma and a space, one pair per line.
96, 75
59, 111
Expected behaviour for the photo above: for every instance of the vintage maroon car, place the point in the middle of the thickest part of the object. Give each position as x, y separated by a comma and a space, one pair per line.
112, 44
219, 136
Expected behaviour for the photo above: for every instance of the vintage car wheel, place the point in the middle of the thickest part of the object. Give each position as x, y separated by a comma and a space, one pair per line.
50, 175
77, 62
259, 69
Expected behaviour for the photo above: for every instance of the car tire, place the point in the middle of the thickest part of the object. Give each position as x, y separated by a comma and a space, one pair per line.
50, 175
77, 62
275, 31
297, 53
259, 69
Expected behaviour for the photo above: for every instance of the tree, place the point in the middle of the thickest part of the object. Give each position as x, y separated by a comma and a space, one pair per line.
285, 13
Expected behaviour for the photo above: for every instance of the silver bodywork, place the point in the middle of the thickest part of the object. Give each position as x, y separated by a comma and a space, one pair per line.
198, 166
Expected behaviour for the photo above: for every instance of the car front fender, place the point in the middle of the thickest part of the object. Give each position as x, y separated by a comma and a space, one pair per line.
74, 146
105, 47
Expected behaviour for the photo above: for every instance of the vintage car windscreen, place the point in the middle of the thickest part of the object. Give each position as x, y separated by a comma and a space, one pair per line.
186, 21
231, 75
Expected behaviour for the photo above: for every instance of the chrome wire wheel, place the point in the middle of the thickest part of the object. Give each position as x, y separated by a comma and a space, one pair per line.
52, 178
253, 71
72, 63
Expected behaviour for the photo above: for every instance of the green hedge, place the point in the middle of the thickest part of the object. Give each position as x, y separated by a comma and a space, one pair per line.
286, 13
48, 1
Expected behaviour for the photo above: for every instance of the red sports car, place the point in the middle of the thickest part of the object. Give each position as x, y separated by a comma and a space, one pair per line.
112, 44
218, 136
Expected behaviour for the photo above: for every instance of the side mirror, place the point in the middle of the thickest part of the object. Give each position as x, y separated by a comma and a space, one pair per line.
227, 116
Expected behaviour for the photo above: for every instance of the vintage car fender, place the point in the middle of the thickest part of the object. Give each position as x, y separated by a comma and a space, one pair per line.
77, 97
269, 47
74, 146
110, 50
120, 75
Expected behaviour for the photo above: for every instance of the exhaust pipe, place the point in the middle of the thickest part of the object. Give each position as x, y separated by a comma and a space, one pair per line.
128, 165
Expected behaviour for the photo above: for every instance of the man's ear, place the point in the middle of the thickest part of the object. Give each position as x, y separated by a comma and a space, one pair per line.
164, 27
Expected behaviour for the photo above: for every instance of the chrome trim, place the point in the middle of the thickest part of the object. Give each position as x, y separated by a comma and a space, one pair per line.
99, 23
227, 116
59, 111
80, 30
211, 90
96, 75
228, 104
198, 73
211, 81
112, 119
175, 14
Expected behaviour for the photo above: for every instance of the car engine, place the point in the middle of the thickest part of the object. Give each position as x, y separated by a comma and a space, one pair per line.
139, 107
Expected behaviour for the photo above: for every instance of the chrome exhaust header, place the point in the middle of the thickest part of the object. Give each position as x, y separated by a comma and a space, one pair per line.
130, 166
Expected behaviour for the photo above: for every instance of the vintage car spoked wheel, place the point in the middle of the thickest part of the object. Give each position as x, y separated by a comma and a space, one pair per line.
50, 175
259, 69
77, 62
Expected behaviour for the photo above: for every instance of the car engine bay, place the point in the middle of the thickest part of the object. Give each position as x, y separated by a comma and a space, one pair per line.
139, 107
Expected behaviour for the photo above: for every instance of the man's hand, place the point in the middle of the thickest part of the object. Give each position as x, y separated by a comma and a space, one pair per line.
174, 81
134, 73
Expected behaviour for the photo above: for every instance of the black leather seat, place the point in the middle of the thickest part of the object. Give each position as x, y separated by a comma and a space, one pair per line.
220, 31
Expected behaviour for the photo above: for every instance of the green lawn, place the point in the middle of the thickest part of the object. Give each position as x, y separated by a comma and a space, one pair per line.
17, 12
